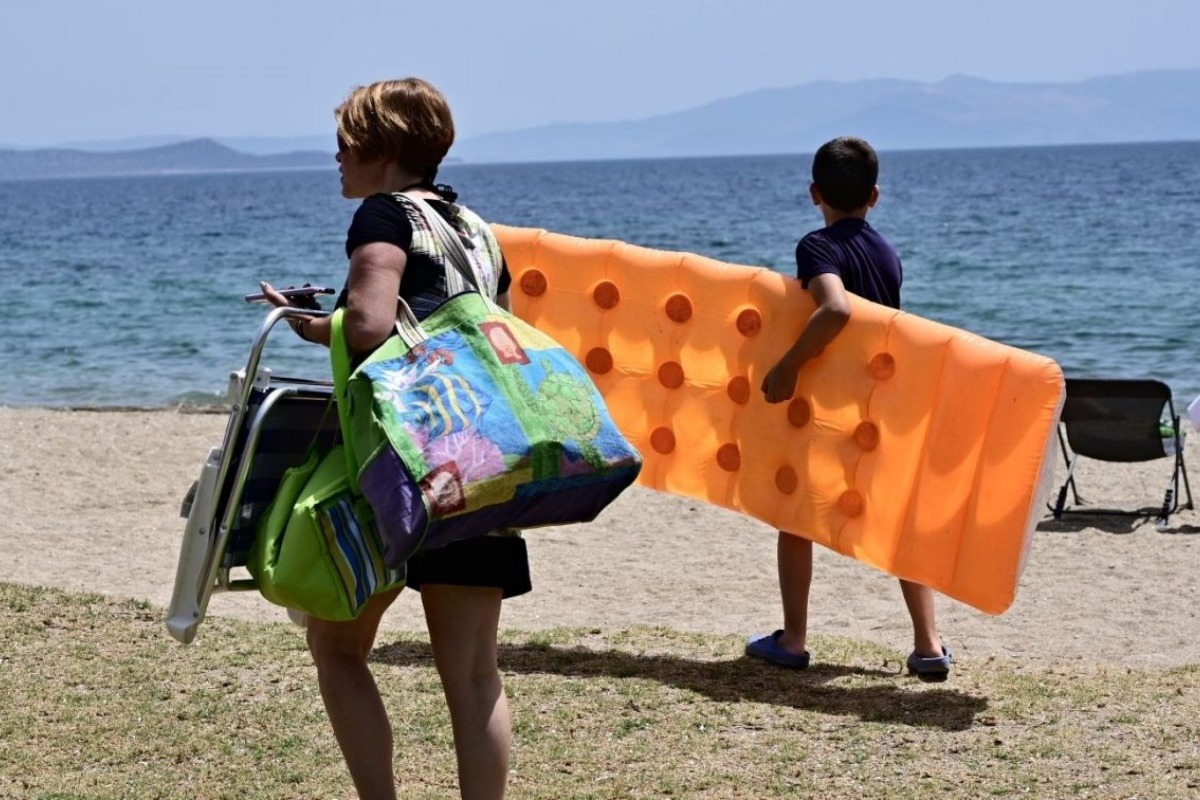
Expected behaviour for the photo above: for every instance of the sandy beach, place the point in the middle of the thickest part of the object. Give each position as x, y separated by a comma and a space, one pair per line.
92, 503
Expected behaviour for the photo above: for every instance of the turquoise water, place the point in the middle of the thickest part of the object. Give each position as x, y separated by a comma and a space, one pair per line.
127, 291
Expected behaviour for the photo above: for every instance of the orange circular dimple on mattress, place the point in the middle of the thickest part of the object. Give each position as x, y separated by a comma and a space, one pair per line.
679, 308
882, 366
866, 435
851, 503
729, 457
663, 441
786, 480
738, 389
598, 361
799, 412
670, 375
930, 472
749, 322
533, 283
606, 294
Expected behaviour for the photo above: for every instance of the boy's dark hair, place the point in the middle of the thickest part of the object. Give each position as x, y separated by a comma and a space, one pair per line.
845, 171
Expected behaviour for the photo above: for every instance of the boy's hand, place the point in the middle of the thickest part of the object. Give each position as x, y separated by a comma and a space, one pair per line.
780, 383
831, 315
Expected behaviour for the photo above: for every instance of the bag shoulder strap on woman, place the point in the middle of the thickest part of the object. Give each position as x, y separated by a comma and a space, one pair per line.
465, 276
462, 278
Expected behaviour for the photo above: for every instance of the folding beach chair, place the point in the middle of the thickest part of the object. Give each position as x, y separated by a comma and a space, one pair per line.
1121, 421
272, 423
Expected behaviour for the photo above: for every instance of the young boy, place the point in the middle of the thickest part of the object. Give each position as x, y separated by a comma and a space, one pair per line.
847, 255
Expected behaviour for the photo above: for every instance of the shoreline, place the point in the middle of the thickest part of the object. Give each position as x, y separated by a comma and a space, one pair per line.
94, 506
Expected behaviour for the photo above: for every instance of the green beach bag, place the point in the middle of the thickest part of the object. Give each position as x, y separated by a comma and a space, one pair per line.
317, 548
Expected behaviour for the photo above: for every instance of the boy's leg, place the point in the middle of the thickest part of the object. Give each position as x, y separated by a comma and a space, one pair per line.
919, 600
786, 646
794, 554
352, 701
463, 621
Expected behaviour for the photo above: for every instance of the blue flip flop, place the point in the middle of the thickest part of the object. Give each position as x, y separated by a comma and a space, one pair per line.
767, 648
931, 668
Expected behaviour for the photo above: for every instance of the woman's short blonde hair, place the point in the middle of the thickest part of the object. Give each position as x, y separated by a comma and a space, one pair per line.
407, 121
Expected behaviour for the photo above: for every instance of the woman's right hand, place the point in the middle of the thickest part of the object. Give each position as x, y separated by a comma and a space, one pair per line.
273, 296
279, 301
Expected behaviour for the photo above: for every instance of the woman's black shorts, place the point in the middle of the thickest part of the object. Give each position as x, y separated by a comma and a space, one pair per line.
483, 561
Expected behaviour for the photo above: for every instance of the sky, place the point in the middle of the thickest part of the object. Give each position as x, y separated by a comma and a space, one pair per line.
85, 70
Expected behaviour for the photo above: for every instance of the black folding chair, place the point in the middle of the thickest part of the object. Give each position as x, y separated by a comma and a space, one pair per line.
1121, 421
273, 421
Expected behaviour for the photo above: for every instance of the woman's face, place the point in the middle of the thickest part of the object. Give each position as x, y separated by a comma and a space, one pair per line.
359, 178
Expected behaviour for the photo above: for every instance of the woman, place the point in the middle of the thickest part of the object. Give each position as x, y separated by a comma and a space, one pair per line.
392, 136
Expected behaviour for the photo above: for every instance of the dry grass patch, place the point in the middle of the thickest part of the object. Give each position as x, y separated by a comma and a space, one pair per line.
98, 702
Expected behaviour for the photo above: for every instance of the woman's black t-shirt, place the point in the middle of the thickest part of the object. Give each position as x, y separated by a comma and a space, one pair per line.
383, 218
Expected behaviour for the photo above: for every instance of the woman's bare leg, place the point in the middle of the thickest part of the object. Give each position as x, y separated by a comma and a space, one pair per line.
463, 621
352, 700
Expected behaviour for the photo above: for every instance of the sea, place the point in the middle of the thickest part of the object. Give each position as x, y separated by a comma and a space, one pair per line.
128, 291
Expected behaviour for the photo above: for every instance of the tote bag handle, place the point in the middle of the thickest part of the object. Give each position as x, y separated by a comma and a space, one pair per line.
339, 359
464, 277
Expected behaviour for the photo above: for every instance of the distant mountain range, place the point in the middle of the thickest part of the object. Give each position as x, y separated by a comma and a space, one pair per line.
252, 145
959, 111
894, 115
197, 155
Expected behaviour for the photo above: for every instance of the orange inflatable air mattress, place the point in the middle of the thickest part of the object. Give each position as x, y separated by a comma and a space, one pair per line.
913, 446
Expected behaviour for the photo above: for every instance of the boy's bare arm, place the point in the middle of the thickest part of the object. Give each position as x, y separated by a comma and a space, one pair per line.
832, 314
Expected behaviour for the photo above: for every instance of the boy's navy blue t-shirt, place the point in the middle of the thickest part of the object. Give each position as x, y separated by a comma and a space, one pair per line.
853, 250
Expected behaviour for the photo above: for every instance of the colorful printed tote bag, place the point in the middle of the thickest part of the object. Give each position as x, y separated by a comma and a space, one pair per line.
473, 420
